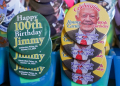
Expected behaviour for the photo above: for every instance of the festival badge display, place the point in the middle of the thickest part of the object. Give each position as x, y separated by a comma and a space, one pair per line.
29, 38
87, 78
83, 42
8, 9
30, 73
56, 27
34, 60
28, 32
12, 9
84, 51
53, 12
80, 66
76, 25
56, 22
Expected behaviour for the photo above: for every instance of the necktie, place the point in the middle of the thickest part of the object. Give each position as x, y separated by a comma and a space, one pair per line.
79, 56
83, 41
79, 69
79, 81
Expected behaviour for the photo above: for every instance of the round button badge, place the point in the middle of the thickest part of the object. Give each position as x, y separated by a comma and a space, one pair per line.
11, 12
87, 78
86, 23
81, 51
28, 32
34, 60
30, 73
56, 23
81, 66
46, 9
3, 11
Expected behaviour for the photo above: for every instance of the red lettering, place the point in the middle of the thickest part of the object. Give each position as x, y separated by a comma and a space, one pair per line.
74, 9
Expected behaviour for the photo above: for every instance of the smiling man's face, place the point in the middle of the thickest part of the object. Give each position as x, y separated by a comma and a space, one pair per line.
88, 18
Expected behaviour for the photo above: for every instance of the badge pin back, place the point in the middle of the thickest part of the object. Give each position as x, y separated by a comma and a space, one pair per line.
87, 78
12, 12
30, 73
73, 48
34, 60
84, 33
46, 9
33, 34
3, 11
107, 48
72, 64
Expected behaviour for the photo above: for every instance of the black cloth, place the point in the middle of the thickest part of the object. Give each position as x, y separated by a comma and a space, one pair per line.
72, 33
68, 50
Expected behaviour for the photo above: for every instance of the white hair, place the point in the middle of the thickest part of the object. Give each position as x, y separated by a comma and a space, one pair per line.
78, 11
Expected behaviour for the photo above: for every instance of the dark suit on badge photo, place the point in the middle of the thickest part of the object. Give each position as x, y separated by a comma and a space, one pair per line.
81, 67
73, 36
68, 49
86, 34
81, 79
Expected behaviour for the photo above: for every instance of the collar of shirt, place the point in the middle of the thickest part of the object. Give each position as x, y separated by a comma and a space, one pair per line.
77, 48
75, 52
80, 32
89, 41
85, 65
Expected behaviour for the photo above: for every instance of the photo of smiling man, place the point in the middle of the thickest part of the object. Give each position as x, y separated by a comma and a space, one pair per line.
86, 34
